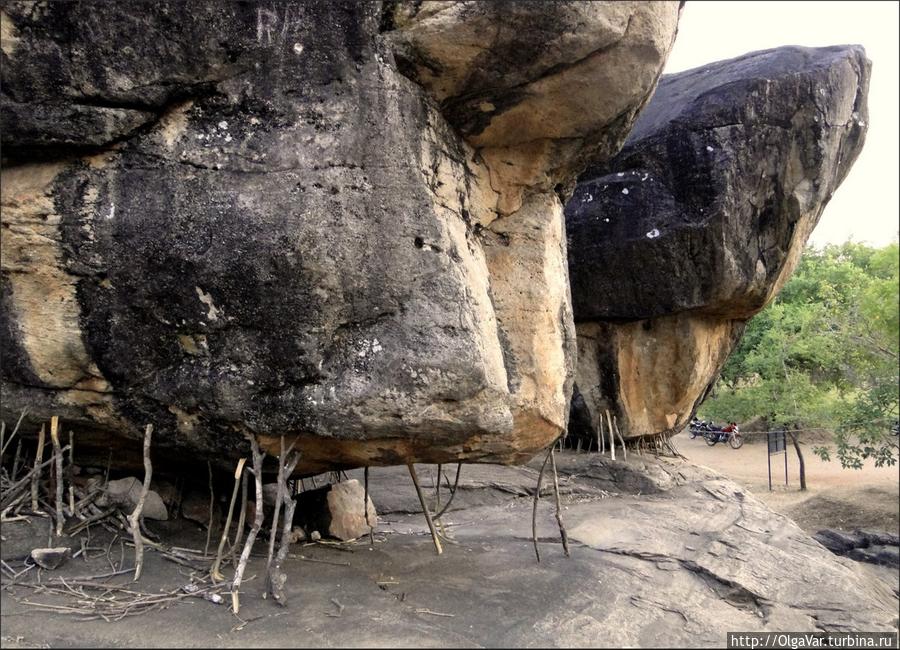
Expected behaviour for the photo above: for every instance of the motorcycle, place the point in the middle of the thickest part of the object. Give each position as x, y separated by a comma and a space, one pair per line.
699, 428
732, 437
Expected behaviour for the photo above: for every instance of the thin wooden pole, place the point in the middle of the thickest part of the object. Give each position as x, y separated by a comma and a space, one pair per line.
71, 473
563, 535
57, 455
214, 574
621, 439
537, 497
612, 440
254, 530
135, 517
434, 535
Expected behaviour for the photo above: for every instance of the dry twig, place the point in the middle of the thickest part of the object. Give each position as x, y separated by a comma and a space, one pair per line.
242, 520
452, 492
58, 457
211, 504
36, 472
238, 472
563, 535
428, 611
622, 440
99, 600
277, 578
72, 474
257, 524
4, 445
537, 497
434, 535
134, 518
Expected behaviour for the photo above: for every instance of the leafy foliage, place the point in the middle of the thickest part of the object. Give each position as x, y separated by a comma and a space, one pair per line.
824, 354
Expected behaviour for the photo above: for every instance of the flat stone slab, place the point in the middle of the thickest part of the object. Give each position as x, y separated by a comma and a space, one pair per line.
666, 554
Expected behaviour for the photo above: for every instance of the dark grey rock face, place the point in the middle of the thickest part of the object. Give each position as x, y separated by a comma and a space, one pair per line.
700, 219
246, 260
872, 547
237, 218
727, 168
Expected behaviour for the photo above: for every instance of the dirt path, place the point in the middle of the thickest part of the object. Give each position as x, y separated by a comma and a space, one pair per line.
836, 498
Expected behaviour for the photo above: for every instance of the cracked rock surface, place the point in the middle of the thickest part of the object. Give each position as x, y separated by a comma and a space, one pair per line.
337, 221
671, 554
663, 554
700, 220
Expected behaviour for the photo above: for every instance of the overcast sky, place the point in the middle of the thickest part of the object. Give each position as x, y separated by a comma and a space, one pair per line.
865, 207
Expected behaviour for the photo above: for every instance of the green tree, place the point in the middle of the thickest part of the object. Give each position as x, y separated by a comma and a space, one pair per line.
824, 354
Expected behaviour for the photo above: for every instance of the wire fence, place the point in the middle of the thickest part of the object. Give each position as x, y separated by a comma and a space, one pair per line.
844, 427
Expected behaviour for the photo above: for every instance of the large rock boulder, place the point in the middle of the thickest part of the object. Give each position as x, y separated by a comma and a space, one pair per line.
340, 510
700, 219
336, 221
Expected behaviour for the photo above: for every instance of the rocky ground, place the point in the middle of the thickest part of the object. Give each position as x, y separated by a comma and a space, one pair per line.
663, 553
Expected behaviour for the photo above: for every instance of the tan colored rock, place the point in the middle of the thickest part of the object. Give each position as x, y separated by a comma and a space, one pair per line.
336, 511
651, 374
41, 291
126, 492
528, 121
51, 558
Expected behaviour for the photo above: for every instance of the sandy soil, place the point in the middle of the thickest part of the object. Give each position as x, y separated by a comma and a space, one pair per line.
839, 498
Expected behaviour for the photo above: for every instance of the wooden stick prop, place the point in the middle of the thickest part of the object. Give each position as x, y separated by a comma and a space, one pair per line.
563, 535
277, 577
537, 497
214, 574
612, 439
17, 488
15, 465
254, 530
621, 439
57, 455
4, 445
428, 520
600, 434
36, 472
135, 518
211, 504
452, 492
71, 474
279, 497
242, 520
437, 489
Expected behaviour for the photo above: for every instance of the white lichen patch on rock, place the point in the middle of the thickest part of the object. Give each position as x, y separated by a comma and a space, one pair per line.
213, 312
